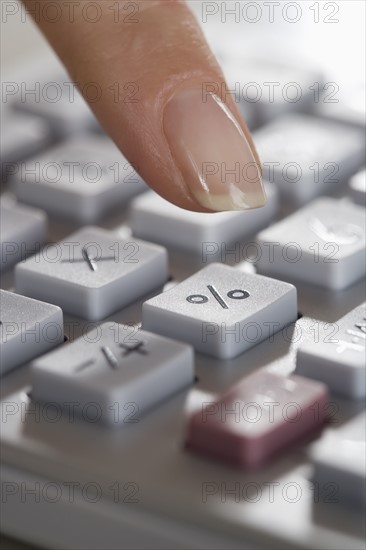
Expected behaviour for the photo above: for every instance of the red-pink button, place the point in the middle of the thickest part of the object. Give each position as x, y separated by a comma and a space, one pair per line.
261, 415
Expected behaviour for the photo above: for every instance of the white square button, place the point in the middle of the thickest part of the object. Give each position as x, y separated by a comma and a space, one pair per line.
28, 328
340, 360
80, 179
155, 219
23, 232
93, 273
113, 373
323, 244
222, 311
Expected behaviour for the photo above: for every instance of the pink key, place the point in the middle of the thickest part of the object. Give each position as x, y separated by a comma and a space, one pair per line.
259, 416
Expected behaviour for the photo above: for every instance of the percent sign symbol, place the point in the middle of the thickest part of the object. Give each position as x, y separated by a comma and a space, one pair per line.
236, 294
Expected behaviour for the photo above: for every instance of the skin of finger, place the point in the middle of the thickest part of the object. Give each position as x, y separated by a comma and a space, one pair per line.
138, 61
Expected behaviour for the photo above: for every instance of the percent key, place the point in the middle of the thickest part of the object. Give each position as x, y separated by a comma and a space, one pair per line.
222, 311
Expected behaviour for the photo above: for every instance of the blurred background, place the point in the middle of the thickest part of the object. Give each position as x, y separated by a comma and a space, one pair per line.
328, 37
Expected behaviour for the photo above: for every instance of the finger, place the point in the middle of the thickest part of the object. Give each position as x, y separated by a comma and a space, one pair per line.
162, 101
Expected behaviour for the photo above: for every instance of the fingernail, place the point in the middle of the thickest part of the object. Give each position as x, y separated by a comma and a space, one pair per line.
212, 152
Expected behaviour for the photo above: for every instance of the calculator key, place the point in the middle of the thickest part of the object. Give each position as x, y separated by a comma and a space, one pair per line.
80, 180
28, 328
339, 361
322, 244
339, 460
58, 101
222, 311
22, 135
306, 156
121, 371
344, 103
23, 232
357, 186
155, 219
93, 273
263, 414
268, 89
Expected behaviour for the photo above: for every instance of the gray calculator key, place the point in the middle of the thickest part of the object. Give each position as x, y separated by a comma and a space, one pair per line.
60, 103
338, 361
93, 273
23, 232
113, 373
222, 311
339, 461
28, 328
357, 187
322, 244
80, 179
153, 218
267, 88
22, 135
345, 104
305, 156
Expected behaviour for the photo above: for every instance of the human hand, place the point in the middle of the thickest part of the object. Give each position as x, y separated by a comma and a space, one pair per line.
188, 143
